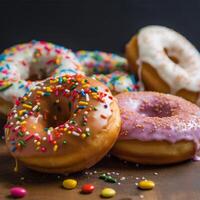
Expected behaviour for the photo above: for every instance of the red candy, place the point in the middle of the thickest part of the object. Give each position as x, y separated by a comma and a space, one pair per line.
87, 188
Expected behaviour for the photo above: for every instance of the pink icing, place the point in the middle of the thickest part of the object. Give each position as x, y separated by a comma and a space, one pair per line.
148, 116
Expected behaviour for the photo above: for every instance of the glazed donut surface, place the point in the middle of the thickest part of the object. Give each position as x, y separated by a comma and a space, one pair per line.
108, 68
23, 65
157, 128
64, 124
165, 61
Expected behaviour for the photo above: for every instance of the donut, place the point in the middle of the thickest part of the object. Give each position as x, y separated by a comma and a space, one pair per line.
63, 125
165, 62
118, 81
157, 128
23, 65
99, 62
108, 68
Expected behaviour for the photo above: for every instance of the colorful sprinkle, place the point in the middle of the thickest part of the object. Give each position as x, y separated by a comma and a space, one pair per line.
53, 138
15, 64
5, 86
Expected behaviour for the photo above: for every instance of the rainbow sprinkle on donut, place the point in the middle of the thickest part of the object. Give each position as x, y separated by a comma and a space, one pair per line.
37, 58
75, 89
118, 81
108, 68
98, 62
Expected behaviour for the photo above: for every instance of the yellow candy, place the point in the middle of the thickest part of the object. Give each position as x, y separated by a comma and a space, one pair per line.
146, 185
69, 184
108, 193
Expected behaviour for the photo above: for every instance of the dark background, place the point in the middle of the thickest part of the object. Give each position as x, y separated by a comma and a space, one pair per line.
94, 24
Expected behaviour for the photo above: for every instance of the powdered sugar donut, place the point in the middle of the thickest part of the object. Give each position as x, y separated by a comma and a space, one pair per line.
165, 61
23, 65
109, 68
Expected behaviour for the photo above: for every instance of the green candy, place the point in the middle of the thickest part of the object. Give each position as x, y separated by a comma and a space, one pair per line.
110, 179
107, 178
103, 176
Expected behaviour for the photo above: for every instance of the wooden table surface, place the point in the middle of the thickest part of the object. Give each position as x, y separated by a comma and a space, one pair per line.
175, 182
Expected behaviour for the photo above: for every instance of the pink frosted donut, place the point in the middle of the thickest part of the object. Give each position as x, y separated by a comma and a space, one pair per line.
157, 128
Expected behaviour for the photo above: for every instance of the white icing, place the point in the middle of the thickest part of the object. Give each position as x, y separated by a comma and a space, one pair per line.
152, 42
20, 62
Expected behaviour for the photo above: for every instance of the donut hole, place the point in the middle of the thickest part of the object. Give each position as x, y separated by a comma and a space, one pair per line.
41, 75
41, 68
171, 56
55, 112
156, 109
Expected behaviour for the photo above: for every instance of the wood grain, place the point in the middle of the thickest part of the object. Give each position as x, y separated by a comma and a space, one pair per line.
174, 182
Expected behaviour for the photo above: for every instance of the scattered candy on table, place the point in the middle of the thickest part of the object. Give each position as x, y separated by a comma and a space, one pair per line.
18, 192
69, 184
146, 185
107, 178
87, 188
108, 193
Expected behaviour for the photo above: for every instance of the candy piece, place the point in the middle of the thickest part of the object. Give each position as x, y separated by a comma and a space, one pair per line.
69, 184
87, 188
108, 193
110, 179
18, 192
146, 185
107, 178
103, 176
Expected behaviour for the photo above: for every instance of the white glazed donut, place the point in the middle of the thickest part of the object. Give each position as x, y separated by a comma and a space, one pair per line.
23, 65
165, 55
